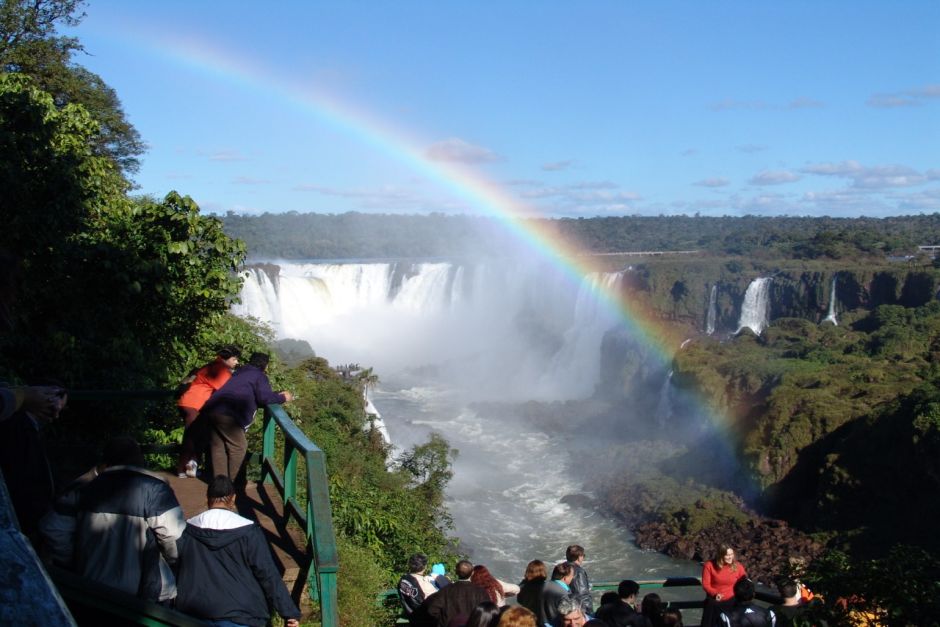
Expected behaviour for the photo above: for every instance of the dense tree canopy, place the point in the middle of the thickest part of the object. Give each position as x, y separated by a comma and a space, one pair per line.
111, 290
31, 45
355, 235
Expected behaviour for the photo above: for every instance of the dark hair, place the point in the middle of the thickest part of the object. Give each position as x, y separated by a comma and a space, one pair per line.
464, 569
227, 352
219, 488
672, 618
486, 614
561, 570
481, 576
417, 563
628, 588
259, 360
610, 597
652, 608
122, 451
787, 588
744, 590
573, 552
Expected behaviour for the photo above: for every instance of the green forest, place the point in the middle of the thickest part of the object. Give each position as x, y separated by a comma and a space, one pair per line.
295, 235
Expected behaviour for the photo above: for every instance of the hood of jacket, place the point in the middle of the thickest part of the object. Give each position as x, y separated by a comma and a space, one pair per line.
218, 528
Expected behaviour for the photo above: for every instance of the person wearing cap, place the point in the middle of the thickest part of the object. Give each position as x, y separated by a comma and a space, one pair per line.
226, 572
231, 410
203, 383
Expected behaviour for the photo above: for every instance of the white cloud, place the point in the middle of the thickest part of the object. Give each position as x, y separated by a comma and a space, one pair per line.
713, 182
891, 101
924, 201
389, 199
872, 177
227, 155
805, 103
774, 177
557, 166
909, 98
457, 150
247, 180
729, 104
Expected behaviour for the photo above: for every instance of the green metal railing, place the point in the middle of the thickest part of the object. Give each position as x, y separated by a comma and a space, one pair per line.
313, 513
678, 593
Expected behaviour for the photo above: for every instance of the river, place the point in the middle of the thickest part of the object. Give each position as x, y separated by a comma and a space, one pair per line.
509, 480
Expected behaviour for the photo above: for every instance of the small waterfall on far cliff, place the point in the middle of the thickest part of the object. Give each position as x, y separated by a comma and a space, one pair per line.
712, 314
831, 316
664, 408
755, 310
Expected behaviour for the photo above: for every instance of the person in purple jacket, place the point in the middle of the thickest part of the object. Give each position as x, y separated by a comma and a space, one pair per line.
231, 409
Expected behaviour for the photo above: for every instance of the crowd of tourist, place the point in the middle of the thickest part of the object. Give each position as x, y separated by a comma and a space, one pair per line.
477, 599
121, 526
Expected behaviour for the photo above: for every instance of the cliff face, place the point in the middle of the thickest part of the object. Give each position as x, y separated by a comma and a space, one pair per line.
822, 421
680, 291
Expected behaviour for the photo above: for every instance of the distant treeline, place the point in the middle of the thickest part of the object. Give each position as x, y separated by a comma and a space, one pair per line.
359, 235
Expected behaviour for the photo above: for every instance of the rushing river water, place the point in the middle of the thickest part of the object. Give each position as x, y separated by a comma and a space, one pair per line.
509, 479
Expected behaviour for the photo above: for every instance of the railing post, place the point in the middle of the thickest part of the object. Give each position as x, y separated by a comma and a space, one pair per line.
290, 474
267, 444
328, 607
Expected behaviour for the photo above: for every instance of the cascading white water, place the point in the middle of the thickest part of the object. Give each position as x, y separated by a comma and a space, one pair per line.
755, 310
664, 407
712, 314
444, 337
831, 316
520, 334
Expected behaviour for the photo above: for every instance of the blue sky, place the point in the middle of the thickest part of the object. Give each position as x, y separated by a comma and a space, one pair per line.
570, 108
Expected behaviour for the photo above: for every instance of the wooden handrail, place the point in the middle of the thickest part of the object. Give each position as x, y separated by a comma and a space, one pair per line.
315, 516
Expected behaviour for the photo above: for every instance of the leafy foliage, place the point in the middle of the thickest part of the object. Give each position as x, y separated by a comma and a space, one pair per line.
900, 589
112, 290
30, 45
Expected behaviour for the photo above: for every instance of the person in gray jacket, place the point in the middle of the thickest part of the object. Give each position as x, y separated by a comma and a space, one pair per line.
226, 572
127, 526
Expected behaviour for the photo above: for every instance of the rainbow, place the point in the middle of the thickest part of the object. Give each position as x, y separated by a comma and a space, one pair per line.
469, 185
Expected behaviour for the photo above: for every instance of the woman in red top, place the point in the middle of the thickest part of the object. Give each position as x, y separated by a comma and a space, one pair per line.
205, 381
718, 578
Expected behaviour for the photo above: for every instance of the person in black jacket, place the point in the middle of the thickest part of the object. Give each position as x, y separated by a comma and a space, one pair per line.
745, 612
226, 572
581, 584
457, 599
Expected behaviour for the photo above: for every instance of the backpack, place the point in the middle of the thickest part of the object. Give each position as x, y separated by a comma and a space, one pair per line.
410, 594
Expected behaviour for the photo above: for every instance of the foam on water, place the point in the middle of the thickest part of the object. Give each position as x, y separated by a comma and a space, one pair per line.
509, 479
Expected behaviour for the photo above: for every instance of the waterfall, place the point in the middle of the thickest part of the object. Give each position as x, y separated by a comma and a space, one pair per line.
504, 331
664, 407
712, 314
755, 310
831, 316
